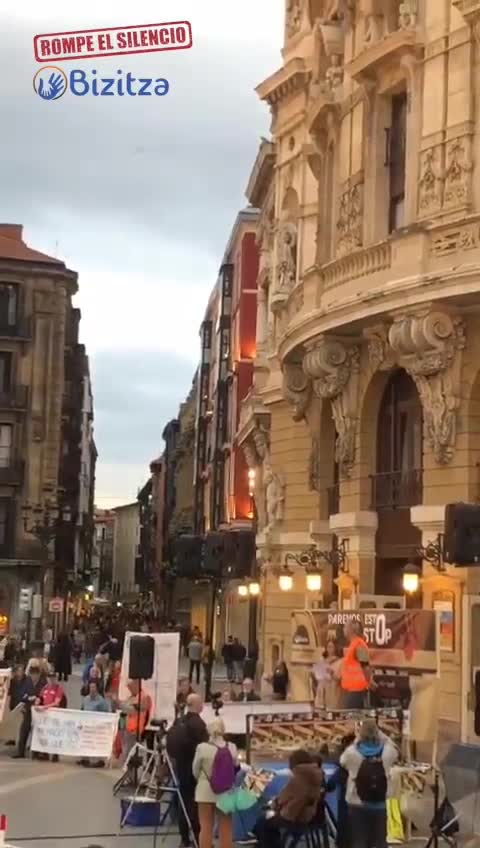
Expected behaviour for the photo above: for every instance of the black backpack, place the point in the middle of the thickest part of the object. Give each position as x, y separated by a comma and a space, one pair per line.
371, 781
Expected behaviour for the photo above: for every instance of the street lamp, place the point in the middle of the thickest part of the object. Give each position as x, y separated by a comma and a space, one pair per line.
243, 590
411, 578
254, 589
285, 580
314, 582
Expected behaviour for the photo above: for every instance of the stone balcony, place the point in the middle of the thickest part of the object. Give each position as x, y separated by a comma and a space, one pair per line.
382, 53
416, 264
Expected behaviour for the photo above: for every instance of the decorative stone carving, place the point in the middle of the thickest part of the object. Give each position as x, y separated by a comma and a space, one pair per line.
334, 74
429, 346
380, 354
256, 450
287, 266
274, 497
294, 17
333, 365
430, 183
457, 173
350, 220
314, 465
408, 14
297, 389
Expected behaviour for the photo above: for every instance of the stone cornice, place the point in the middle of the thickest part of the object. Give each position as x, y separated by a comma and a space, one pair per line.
291, 78
261, 175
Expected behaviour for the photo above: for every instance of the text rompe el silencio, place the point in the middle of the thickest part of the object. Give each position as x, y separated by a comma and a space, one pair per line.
81, 82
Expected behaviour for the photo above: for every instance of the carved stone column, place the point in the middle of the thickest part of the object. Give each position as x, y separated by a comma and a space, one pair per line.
262, 302
429, 346
333, 366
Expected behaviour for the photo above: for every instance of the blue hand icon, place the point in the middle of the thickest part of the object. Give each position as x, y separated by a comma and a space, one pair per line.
54, 87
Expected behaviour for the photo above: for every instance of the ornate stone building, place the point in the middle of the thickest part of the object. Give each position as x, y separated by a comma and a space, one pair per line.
35, 307
363, 422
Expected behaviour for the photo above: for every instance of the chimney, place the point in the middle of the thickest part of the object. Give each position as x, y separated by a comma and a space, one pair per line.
11, 231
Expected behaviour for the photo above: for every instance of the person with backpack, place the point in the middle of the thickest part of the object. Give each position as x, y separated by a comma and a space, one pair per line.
183, 738
214, 768
368, 762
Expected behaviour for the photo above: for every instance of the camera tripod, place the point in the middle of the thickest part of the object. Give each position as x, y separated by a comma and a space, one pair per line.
159, 779
439, 830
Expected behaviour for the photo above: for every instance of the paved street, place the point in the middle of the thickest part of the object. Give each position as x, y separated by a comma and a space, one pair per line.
64, 800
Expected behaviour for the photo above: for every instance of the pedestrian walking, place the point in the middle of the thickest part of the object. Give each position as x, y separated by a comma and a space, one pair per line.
227, 655
62, 656
195, 652
239, 652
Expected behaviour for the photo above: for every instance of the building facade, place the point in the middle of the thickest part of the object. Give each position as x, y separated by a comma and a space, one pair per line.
363, 420
77, 466
102, 553
35, 303
223, 501
126, 546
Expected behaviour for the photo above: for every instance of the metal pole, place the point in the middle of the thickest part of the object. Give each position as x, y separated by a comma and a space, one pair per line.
211, 628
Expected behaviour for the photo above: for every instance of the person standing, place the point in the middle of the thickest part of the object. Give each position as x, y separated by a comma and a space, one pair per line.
94, 703
239, 652
33, 686
195, 651
62, 656
208, 658
368, 761
356, 678
183, 739
52, 696
280, 681
205, 796
138, 715
227, 655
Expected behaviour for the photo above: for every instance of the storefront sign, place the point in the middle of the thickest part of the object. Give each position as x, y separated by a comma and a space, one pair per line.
74, 733
396, 638
55, 605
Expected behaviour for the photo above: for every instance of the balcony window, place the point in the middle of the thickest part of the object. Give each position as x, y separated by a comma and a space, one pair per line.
4, 509
397, 161
8, 305
5, 445
398, 482
5, 371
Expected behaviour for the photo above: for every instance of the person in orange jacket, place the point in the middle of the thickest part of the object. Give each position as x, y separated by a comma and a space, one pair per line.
137, 715
356, 679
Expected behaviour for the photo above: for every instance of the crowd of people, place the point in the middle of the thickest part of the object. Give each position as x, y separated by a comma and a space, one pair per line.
339, 678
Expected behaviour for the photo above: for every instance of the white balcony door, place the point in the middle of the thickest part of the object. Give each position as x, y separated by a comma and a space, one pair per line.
5, 445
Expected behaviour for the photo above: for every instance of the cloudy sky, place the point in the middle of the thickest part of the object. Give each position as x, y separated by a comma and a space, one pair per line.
138, 195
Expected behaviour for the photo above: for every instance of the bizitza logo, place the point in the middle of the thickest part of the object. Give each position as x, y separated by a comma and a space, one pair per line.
51, 82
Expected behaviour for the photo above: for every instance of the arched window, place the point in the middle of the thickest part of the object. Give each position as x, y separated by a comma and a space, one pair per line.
398, 482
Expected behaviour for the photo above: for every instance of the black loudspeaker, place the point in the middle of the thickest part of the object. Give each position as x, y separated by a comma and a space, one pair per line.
142, 656
214, 554
188, 556
462, 534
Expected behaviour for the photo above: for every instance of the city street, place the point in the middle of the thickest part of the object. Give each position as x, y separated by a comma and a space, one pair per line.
61, 800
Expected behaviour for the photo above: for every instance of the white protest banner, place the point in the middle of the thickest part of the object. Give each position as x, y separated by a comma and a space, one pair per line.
162, 687
5, 675
234, 716
74, 733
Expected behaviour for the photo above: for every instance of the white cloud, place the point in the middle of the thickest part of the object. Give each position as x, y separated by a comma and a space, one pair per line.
139, 197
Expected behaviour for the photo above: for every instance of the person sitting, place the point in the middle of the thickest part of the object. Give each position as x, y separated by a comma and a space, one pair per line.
248, 692
368, 762
33, 686
298, 803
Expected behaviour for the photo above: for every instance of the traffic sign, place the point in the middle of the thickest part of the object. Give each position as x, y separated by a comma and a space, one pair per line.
55, 605
25, 603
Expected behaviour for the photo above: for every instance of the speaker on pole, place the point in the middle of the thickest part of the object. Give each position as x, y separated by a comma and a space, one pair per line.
462, 534
141, 659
